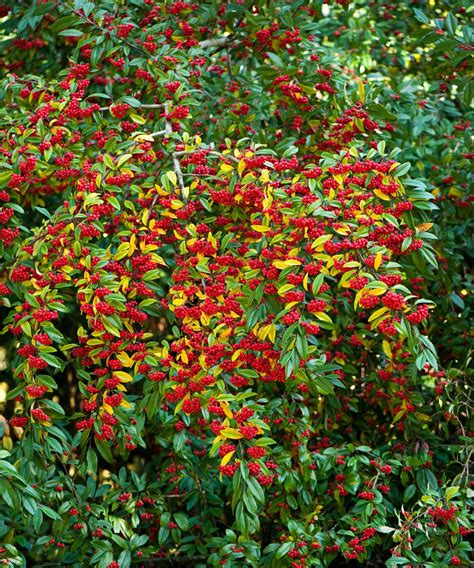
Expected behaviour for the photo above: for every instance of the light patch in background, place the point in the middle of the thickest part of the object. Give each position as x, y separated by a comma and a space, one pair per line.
3, 366
3, 358
3, 392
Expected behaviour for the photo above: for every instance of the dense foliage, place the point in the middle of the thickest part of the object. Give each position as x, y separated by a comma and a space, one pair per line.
234, 250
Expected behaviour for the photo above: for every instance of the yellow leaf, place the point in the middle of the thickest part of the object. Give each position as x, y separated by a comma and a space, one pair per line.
345, 281
264, 177
345, 230
378, 313
236, 354
122, 251
378, 260
205, 319
386, 348
227, 411
323, 317
176, 204
125, 403
107, 408
226, 459
321, 240
172, 177
157, 258
260, 228
305, 282
424, 227
358, 296
422, 416
231, 433
133, 245
361, 90
121, 161
263, 332
226, 168
375, 291
381, 195
352, 264
137, 118
272, 333
282, 264
123, 376
143, 138
455, 192
285, 288
399, 415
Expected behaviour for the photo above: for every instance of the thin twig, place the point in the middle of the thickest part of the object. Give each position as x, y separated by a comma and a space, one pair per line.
179, 173
176, 164
216, 42
91, 22
229, 65
148, 106
158, 133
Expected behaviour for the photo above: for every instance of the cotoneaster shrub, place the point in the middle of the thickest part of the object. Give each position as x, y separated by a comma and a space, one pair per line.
233, 284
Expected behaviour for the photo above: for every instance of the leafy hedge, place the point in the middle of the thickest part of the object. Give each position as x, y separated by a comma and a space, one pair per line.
234, 250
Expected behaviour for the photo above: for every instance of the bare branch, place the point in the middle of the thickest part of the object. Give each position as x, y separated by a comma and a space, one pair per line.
158, 133
150, 106
176, 164
216, 42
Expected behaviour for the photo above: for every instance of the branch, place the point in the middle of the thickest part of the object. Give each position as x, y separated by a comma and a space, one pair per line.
176, 164
216, 42
152, 106
179, 173
158, 133
91, 22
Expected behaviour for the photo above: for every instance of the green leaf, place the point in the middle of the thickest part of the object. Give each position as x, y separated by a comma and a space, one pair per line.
37, 520
104, 450
71, 33
402, 169
182, 521
275, 59
283, 549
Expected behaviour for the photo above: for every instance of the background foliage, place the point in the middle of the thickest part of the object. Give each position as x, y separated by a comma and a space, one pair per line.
234, 277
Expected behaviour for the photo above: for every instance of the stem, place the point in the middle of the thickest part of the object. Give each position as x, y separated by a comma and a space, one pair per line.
176, 164
159, 133
216, 42
95, 25
152, 106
